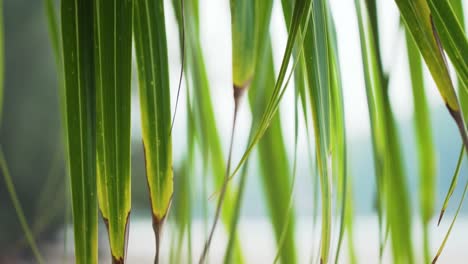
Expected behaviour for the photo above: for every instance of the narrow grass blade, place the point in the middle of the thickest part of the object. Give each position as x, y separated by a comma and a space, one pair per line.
349, 219
338, 135
300, 15
398, 205
373, 109
419, 21
80, 96
113, 51
462, 88
19, 210
451, 35
441, 248
426, 153
393, 197
326, 112
249, 24
453, 185
54, 34
205, 123
274, 167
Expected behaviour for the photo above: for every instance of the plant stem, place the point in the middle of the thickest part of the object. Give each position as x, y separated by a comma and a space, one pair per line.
238, 92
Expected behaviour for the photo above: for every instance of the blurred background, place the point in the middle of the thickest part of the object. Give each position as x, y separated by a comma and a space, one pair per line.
31, 138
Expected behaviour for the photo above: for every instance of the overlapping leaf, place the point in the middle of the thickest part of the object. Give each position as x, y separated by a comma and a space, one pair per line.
419, 21
391, 181
426, 153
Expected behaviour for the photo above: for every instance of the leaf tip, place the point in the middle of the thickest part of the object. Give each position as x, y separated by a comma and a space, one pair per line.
442, 212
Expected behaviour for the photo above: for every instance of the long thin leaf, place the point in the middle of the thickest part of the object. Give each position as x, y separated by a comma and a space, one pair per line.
441, 248
426, 155
19, 210
151, 48
300, 15
113, 47
452, 36
418, 20
80, 95
274, 167
462, 89
393, 197
249, 21
205, 123
453, 184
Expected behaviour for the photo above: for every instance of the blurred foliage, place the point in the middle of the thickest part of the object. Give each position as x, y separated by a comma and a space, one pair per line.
404, 165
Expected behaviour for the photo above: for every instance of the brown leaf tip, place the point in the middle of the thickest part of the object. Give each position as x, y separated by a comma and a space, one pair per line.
442, 212
117, 260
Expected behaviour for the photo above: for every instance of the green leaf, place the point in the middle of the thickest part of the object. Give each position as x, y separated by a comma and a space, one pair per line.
426, 152
151, 50
452, 36
462, 89
393, 198
327, 115
441, 248
274, 167
300, 14
243, 18
203, 113
418, 19
453, 185
19, 210
80, 95
338, 134
113, 53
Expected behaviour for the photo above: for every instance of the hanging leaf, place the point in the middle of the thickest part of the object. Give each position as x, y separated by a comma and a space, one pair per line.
80, 100
113, 53
419, 21
151, 50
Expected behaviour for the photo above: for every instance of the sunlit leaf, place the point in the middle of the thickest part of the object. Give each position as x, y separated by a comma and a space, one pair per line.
425, 146
419, 21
